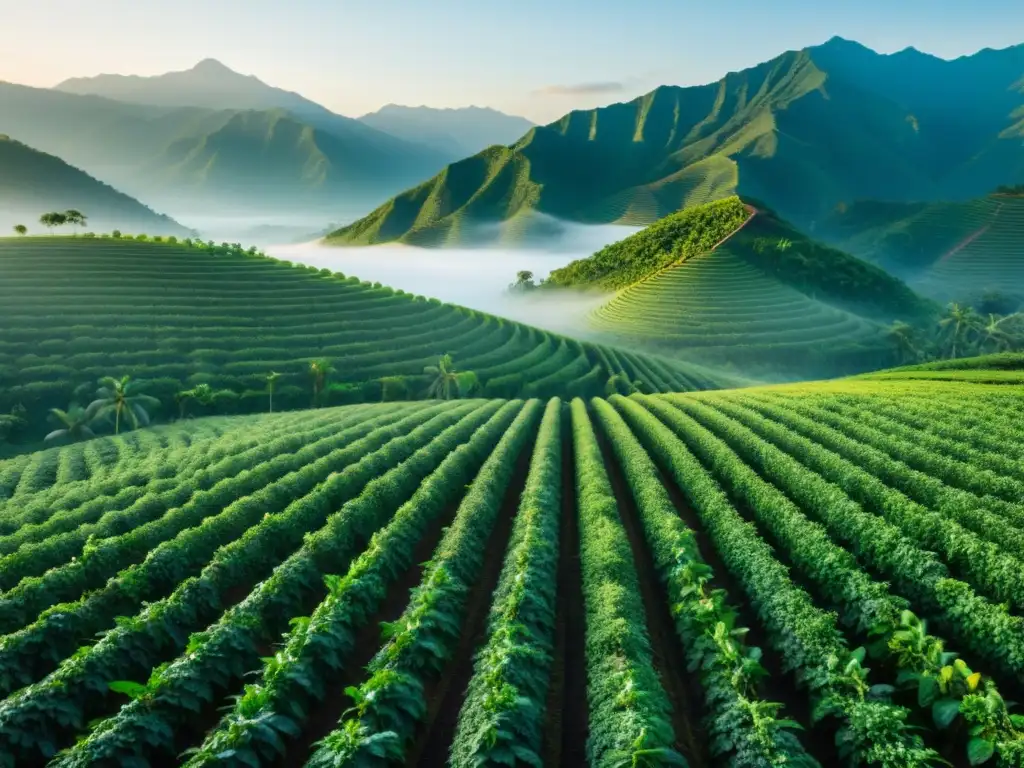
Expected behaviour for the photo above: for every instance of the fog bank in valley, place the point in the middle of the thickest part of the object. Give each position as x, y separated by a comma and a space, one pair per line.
473, 277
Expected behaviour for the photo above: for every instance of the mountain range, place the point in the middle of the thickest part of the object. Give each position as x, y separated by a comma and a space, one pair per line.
209, 136
803, 132
33, 183
460, 132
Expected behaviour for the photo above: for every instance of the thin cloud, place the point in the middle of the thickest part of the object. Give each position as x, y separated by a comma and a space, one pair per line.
581, 89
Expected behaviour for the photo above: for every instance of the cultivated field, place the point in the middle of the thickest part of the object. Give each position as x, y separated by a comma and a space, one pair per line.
719, 304
631, 581
77, 309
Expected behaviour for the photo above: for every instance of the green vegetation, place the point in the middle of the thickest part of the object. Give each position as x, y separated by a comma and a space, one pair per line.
674, 239
178, 315
951, 251
869, 529
768, 132
31, 181
768, 300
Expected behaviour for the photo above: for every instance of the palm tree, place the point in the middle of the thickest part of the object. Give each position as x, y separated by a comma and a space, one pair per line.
901, 335
119, 396
75, 421
445, 383
272, 377
449, 383
959, 320
20, 229
996, 334
319, 370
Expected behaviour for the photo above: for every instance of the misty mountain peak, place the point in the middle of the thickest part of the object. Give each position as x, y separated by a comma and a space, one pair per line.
213, 68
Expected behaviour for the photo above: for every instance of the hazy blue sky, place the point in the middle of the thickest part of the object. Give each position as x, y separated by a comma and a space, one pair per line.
538, 58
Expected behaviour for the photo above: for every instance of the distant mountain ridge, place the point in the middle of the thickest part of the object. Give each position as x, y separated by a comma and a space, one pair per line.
208, 84
803, 132
462, 131
33, 183
212, 137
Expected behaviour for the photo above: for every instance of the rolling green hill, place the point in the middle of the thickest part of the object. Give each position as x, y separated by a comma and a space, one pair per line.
803, 132
194, 157
460, 132
950, 251
768, 298
74, 310
33, 183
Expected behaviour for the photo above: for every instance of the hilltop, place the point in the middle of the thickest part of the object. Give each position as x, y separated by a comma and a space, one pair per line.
189, 155
183, 315
951, 251
459, 132
768, 132
731, 283
209, 84
33, 183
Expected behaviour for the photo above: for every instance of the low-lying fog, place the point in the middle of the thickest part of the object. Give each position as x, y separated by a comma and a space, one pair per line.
476, 278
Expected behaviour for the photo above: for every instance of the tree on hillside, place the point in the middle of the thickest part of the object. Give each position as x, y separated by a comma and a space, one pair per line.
524, 282
958, 321
202, 394
272, 378
121, 396
320, 370
448, 383
73, 217
74, 422
51, 220
996, 334
20, 229
903, 337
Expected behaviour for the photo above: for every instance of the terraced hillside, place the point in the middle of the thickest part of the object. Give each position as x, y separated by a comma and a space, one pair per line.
949, 251
74, 310
681, 576
767, 295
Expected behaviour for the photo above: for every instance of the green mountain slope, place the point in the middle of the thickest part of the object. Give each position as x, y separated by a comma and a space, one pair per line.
677, 237
802, 132
33, 183
460, 132
768, 299
271, 156
182, 316
191, 155
949, 251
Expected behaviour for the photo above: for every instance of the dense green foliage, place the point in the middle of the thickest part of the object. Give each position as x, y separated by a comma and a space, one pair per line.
209, 587
177, 316
32, 182
911, 127
676, 238
951, 251
769, 300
